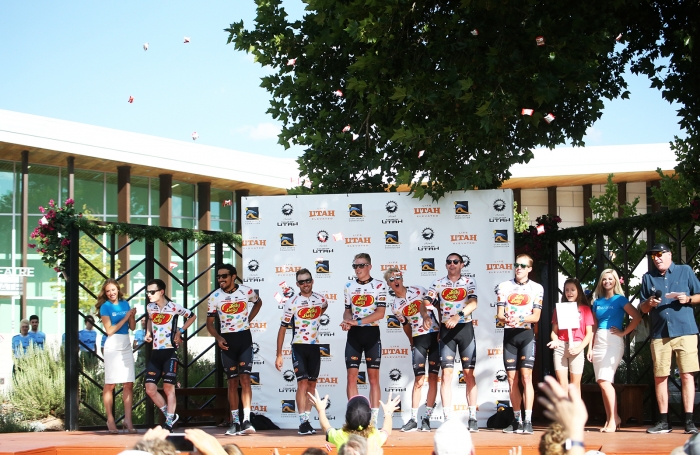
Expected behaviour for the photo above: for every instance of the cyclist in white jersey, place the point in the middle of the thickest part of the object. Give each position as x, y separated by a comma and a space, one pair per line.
365, 304
519, 305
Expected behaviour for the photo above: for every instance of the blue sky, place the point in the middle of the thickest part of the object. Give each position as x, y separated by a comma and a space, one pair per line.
81, 60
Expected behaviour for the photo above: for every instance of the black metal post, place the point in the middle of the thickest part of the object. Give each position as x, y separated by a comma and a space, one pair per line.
551, 292
72, 372
150, 264
219, 375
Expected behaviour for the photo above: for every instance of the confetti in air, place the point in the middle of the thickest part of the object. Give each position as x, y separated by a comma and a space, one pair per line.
346, 129
619, 37
355, 136
540, 40
338, 237
291, 62
187, 39
338, 93
145, 47
527, 111
227, 203
475, 32
549, 118
131, 99
195, 136
540, 229
421, 153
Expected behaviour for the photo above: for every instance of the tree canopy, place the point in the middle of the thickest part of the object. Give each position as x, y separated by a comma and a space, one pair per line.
434, 94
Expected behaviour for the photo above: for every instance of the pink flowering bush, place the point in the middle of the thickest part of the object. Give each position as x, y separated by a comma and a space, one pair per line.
52, 233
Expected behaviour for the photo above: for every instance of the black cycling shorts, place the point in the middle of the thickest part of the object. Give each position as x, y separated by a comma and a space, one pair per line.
307, 361
518, 349
426, 347
163, 362
363, 340
460, 339
238, 359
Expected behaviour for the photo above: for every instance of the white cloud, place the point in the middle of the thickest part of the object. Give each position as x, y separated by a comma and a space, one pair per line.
260, 131
593, 135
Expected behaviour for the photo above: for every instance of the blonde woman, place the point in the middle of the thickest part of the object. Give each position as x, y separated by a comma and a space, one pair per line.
609, 308
117, 318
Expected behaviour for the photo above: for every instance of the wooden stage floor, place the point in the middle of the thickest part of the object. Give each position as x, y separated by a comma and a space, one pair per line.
487, 442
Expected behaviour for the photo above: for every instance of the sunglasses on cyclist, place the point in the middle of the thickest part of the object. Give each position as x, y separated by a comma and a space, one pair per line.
153, 292
360, 266
223, 276
453, 261
396, 278
307, 281
522, 266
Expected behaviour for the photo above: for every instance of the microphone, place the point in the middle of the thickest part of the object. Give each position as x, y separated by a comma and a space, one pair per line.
657, 294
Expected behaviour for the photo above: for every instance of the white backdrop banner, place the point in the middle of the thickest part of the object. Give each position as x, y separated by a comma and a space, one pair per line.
322, 233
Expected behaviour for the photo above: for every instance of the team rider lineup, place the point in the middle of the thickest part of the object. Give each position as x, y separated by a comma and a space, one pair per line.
436, 321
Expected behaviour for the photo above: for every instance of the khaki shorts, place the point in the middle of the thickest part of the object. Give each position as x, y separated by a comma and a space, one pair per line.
565, 361
685, 348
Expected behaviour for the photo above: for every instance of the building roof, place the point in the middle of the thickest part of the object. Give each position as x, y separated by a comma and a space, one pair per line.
51, 141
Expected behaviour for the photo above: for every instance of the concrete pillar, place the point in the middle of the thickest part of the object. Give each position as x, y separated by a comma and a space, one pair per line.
204, 257
552, 200
124, 216
166, 213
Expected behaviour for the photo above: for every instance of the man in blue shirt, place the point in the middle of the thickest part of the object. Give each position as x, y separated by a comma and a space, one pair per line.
88, 339
37, 336
20, 343
139, 341
667, 293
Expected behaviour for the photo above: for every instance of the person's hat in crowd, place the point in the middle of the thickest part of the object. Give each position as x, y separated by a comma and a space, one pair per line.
658, 247
588, 293
358, 413
692, 445
453, 438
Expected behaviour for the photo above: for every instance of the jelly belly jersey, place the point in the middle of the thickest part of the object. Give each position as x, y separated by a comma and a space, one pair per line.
363, 299
302, 315
164, 323
407, 310
519, 300
452, 296
232, 308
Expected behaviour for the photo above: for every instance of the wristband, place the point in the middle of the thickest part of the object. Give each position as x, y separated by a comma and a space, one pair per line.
182, 331
570, 444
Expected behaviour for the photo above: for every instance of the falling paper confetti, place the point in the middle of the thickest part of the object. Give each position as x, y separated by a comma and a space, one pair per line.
346, 129
278, 297
540, 229
355, 136
291, 62
145, 47
44, 221
475, 32
227, 203
527, 111
187, 39
338, 93
195, 136
338, 237
549, 118
540, 40
173, 265
421, 153
131, 99
618, 37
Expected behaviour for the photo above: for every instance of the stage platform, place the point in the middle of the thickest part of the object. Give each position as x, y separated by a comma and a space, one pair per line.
488, 442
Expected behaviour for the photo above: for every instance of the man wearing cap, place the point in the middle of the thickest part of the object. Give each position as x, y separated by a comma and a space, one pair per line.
667, 293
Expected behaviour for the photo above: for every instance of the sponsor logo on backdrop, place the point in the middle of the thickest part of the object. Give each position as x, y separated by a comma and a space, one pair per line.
358, 240
462, 210
460, 407
323, 246
428, 236
256, 326
393, 324
465, 272
253, 266
288, 376
402, 267
355, 212
499, 325
258, 408
325, 350
252, 215
494, 353
426, 211
395, 375
323, 268
289, 408
362, 379
391, 240
499, 219
257, 360
391, 208
325, 380
255, 380
427, 267
287, 269
321, 214
463, 237
460, 380
287, 211
499, 205
500, 382
325, 326
286, 353
395, 352
501, 405
500, 237
254, 243
499, 267
287, 242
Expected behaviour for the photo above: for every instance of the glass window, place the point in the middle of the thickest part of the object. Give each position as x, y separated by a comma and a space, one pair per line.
6, 241
112, 193
155, 198
7, 177
89, 192
43, 186
183, 200
139, 197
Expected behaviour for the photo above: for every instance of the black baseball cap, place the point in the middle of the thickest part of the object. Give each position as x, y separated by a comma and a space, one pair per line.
658, 247
358, 413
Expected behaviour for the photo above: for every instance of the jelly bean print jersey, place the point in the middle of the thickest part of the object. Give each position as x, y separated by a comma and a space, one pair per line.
452, 297
164, 323
363, 299
519, 300
232, 308
303, 314
407, 309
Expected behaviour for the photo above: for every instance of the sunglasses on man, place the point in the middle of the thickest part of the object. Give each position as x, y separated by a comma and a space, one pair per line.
360, 266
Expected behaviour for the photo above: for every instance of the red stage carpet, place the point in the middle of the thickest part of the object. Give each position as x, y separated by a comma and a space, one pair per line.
487, 442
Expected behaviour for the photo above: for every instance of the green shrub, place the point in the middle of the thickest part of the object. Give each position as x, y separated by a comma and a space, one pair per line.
38, 384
